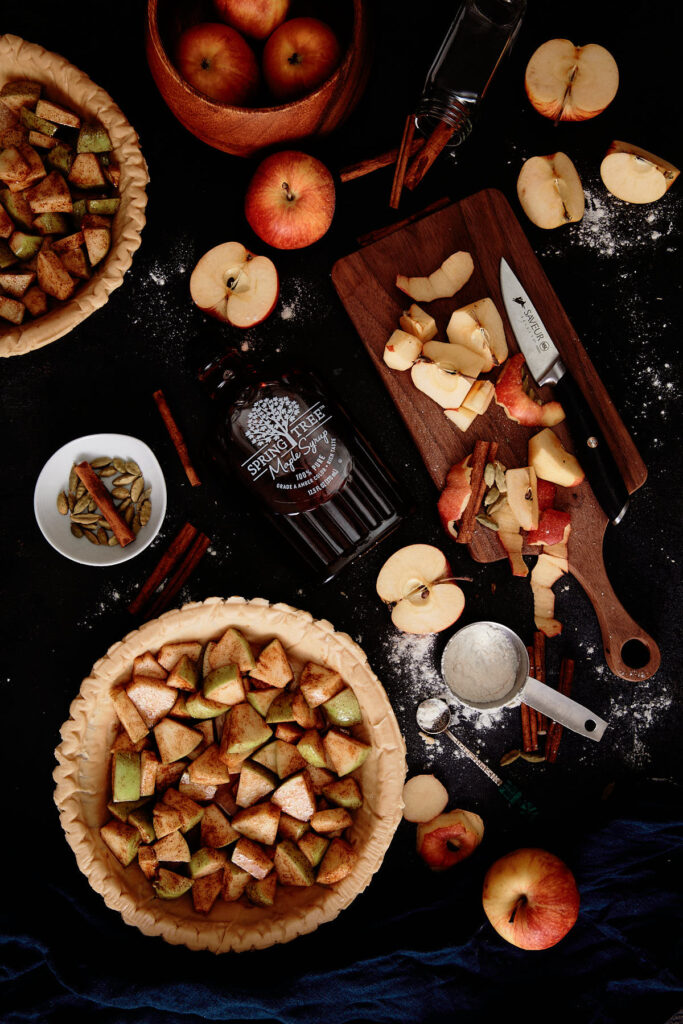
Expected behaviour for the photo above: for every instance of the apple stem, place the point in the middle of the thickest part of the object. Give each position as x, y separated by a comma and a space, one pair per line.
287, 191
520, 903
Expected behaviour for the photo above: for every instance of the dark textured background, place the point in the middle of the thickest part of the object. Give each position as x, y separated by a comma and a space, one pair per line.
414, 946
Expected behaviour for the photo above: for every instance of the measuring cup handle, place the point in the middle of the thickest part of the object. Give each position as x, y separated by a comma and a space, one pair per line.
563, 709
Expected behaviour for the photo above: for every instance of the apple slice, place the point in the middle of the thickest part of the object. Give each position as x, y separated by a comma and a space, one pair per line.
235, 286
552, 461
442, 283
446, 389
550, 191
571, 83
414, 580
510, 537
455, 358
545, 573
522, 496
634, 175
462, 417
553, 528
479, 328
479, 397
416, 321
401, 350
518, 405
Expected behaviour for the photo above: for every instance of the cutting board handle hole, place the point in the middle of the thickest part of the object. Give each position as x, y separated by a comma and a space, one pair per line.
635, 654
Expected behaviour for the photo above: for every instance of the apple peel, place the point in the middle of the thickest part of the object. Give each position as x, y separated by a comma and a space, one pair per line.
546, 572
442, 283
520, 407
424, 798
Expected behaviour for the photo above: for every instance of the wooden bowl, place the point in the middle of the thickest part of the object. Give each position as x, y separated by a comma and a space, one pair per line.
82, 778
65, 84
244, 130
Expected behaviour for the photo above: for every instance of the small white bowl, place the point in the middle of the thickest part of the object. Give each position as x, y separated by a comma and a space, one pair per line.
54, 477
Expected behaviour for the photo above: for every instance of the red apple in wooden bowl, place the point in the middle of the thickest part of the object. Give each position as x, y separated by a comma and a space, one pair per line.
253, 18
243, 130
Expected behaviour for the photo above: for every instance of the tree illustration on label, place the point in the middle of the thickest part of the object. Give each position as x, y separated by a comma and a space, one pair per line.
270, 419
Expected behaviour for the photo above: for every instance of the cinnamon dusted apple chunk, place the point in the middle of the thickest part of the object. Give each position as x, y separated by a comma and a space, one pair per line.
216, 830
259, 822
292, 865
175, 740
338, 862
205, 891
251, 858
168, 885
190, 812
272, 665
295, 797
319, 683
152, 698
123, 840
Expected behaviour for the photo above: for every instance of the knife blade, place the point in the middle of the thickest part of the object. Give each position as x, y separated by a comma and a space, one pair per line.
546, 367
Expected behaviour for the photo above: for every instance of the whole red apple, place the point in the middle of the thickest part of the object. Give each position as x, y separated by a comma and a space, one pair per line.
216, 61
255, 18
290, 200
449, 838
531, 899
299, 56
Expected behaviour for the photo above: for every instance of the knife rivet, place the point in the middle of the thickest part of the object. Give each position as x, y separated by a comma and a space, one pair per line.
592, 442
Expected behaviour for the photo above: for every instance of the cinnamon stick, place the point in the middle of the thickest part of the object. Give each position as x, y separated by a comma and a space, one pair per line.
422, 161
376, 163
552, 741
402, 162
102, 498
173, 553
526, 728
176, 437
180, 576
484, 451
388, 229
540, 673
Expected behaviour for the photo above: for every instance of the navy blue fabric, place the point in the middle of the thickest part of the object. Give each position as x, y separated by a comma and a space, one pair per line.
429, 955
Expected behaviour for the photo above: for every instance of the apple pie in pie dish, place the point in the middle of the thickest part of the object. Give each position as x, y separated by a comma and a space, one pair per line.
83, 778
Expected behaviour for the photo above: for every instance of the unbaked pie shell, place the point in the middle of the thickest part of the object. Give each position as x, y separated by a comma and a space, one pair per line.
65, 84
83, 783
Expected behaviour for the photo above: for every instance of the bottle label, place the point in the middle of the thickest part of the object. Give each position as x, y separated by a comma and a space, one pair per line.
298, 457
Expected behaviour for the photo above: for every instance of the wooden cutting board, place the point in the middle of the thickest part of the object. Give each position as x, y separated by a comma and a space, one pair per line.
485, 226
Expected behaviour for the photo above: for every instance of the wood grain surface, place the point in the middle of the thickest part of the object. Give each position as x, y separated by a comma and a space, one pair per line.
485, 226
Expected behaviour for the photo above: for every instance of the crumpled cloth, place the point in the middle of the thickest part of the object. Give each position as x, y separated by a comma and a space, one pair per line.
414, 947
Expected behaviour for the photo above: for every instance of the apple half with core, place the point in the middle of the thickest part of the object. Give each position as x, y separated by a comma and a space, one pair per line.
255, 18
550, 191
449, 838
518, 405
231, 284
634, 175
290, 200
299, 56
571, 83
442, 283
216, 60
531, 898
416, 580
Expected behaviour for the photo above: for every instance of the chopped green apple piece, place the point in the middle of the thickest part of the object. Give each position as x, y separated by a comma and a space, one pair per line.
169, 885
272, 665
319, 684
93, 138
216, 830
343, 752
233, 647
235, 881
313, 846
175, 740
259, 822
125, 776
261, 891
205, 891
206, 861
345, 793
122, 839
292, 865
172, 847
224, 685
343, 709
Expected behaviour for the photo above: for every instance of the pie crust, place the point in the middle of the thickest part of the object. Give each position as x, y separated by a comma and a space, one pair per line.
65, 84
82, 779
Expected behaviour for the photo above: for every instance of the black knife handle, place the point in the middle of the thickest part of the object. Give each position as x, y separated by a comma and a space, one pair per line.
592, 450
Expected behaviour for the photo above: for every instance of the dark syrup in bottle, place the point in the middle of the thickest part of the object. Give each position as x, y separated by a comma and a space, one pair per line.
294, 447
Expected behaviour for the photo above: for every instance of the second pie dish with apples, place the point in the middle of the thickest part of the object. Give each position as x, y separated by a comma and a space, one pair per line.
84, 793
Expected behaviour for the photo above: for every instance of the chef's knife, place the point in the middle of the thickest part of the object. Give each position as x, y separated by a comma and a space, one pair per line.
546, 367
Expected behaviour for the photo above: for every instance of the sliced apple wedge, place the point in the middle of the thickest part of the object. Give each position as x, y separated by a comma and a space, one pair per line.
480, 396
455, 358
634, 175
550, 191
518, 405
478, 327
552, 461
415, 581
510, 537
232, 285
545, 573
445, 388
416, 321
442, 283
571, 83
462, 417
522, 496
401, 350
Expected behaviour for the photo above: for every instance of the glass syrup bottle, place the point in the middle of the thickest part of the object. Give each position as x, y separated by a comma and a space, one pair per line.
292, 446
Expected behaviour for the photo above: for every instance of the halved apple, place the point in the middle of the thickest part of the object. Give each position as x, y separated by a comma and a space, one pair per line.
445, 388
415, 581
235, 286
442, 283
552, 461
522, 496
550, 191
478, 327
634, 175
479, 396
571, 83
545, 573
462, 417
518, 405
416, 321
401, 350
455, 358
